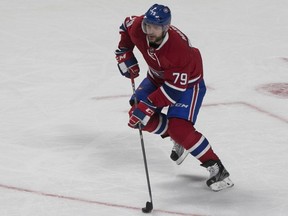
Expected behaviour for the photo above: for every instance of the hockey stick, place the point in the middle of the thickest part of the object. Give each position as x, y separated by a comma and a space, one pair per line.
149, 205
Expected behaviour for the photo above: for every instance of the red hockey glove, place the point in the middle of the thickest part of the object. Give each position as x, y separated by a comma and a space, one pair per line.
127, 63
141, 114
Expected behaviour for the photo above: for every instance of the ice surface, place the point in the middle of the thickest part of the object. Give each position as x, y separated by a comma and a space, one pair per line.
65, 146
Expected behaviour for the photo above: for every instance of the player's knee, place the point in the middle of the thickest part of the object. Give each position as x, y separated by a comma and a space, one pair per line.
182, 132
178, 129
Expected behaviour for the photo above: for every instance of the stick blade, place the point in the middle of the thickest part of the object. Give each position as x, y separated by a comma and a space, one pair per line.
148, 208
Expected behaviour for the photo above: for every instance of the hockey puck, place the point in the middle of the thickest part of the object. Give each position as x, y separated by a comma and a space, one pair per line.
148, 208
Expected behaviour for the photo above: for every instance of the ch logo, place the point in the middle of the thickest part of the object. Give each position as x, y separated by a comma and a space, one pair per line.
151, 50
151, 53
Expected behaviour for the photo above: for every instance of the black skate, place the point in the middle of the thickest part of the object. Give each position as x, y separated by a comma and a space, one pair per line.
178, 153
219, 176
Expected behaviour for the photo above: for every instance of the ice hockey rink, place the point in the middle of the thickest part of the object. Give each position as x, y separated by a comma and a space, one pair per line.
65, 147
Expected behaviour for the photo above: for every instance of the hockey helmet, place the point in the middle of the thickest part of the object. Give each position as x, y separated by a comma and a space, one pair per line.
159, 15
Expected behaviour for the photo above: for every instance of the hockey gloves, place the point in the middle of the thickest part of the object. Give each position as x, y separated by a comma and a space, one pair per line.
127, 63
141, 114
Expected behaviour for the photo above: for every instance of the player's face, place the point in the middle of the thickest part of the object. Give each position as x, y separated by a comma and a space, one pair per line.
154, 32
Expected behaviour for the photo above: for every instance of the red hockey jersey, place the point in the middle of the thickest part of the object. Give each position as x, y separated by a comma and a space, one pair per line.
173, 67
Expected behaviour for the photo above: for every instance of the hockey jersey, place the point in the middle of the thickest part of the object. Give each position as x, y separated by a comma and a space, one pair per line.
173, 67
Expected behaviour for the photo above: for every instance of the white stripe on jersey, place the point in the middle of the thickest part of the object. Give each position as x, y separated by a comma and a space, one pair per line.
167, 96
193, 102
151, 74
160, 125
194, 80
174, 87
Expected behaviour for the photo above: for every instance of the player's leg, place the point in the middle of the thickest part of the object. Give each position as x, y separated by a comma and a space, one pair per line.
189, 105
181, 129
183, 132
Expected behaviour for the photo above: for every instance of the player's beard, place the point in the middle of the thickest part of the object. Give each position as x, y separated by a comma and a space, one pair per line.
155, 40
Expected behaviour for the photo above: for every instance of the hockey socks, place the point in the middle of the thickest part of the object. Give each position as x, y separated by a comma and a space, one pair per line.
184, 133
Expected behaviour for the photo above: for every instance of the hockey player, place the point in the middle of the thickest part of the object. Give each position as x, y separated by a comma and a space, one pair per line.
174, 80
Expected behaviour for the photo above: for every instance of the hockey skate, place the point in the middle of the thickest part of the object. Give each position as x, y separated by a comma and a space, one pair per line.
178, 153
219, 176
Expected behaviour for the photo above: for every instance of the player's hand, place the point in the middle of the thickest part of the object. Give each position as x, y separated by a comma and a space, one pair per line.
127, 63
141, 114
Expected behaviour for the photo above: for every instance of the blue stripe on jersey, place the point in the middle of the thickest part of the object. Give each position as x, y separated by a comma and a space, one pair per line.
200, 148
172, 94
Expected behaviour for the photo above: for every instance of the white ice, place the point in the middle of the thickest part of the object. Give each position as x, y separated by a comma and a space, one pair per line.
66, 149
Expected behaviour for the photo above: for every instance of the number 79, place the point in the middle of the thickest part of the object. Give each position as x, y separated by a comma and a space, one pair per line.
182, 77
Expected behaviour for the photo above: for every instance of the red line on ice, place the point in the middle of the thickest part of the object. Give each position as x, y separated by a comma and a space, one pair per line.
89, 201
126, 206
250, 106
208, 105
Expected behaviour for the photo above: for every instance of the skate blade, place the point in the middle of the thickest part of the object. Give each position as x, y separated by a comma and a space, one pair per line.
182, 158
220, 185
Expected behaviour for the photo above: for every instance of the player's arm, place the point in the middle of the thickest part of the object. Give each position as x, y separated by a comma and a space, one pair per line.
127, 63
124, 31
172, 89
